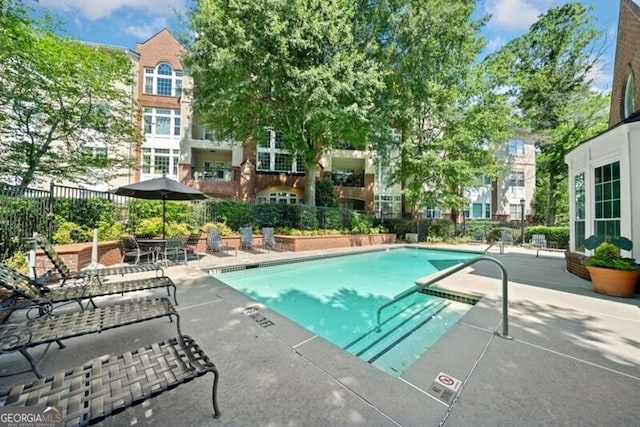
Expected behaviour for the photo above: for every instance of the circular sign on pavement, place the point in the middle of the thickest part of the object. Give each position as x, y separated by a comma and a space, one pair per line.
446, 380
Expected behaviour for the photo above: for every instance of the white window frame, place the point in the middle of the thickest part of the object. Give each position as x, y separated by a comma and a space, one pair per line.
516, 178
150, 120
149, 158
151, 77
272, 147
516, 146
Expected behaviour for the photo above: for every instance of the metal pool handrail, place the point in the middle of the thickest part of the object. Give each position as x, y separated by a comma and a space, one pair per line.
505, 297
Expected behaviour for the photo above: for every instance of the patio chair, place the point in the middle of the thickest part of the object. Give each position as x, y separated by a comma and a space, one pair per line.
80, 290
246, 239
63, 273
538, 241
270, 242
214, 243
477, 237
131, 249
49, 327
192, 243
506, 238
176, 246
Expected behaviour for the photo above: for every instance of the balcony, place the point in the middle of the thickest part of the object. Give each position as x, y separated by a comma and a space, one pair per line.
199, 132
347, 179
211, 174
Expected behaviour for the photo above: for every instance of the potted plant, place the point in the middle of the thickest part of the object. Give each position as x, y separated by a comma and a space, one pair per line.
612, 274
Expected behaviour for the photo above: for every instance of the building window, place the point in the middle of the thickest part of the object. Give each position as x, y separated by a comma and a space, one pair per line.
163, 80
607, 199
516, 147
158, 161
162, 121
515, 210
432, 213
273, 157
579, 224
487, 210
516, 179
629, 101
476, 210
388, 206
281, 197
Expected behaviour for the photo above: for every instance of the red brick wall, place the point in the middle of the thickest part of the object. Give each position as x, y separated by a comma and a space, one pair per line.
78, 255
627, 59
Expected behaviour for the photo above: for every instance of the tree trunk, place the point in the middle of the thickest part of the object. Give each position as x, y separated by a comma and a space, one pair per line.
552, 200
310, 185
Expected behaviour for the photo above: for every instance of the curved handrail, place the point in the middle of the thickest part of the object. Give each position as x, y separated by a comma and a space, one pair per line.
505, 297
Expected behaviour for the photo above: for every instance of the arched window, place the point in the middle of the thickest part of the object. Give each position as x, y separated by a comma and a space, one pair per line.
163, 80
629, 101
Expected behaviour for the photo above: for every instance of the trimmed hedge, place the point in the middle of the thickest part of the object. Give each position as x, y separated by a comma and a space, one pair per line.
560, 235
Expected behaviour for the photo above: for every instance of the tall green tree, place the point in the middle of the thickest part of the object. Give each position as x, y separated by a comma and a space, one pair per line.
548, 70
440, 111
290, 65
67, 111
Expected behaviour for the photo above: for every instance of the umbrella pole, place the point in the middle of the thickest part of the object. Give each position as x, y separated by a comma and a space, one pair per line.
164, 209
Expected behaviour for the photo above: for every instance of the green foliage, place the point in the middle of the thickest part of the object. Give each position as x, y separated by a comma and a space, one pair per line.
549, 70
440, 228
173, 229
110, 230
19, 261
70, 232
181, 212
325, 195
149, 227
54, 90
284, 64
560, 235
234, 214
607, 255
360, 223
308, 217
85, 212
225, 230
267, 214
332, 219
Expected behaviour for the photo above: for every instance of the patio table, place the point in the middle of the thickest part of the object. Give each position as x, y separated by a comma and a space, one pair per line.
155, 245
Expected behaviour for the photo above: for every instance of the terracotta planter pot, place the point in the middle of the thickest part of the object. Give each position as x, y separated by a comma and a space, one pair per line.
617, 283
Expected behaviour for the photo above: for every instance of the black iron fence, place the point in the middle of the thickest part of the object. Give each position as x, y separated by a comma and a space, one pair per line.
24, 211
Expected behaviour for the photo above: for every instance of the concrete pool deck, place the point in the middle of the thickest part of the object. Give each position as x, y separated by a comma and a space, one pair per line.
574, 359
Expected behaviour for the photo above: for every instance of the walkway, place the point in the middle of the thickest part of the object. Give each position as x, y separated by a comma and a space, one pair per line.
574, 359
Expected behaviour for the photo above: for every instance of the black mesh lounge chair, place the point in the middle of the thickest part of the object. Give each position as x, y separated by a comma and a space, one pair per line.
246, 240
270, 242
66, 274
49, 327
214, 243
80, 290
110, 384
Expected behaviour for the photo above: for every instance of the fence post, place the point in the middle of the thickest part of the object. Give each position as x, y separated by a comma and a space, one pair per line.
50, 213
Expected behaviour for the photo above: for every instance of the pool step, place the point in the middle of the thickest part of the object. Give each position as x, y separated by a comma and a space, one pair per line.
403, 337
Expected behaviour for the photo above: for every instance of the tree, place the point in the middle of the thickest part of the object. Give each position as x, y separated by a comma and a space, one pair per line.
439, 112
548, 70
64, 104
293, 66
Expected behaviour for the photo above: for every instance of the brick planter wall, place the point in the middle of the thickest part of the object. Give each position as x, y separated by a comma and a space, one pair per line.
78, 255
574, 265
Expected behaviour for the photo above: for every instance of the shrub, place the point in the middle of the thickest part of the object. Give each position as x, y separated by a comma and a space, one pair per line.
225, 230
308, 218
149, 227
18, 261
70, 232
110, 230
176, 229
551, 234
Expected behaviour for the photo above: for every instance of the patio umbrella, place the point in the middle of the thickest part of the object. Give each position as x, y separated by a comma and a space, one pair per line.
160, 189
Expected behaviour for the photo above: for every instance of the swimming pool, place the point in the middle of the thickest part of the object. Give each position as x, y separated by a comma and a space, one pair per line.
337, 299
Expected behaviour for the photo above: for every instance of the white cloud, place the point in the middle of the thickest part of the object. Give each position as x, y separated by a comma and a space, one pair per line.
143, 32
495, 43
97, 9
512, 14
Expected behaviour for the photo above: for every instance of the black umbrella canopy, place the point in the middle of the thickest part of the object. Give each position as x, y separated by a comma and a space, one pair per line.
160, 189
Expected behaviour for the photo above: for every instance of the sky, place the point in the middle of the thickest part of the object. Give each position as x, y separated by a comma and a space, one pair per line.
127, 22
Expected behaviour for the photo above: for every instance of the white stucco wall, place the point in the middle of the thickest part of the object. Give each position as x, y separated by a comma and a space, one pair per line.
621, 144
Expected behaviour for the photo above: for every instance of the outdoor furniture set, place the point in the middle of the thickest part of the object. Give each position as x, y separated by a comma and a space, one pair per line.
109, 384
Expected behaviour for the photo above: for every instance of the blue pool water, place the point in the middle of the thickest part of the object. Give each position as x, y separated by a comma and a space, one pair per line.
337, 299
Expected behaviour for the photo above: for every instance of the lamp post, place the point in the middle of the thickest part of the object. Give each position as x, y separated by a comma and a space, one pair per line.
522, 220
